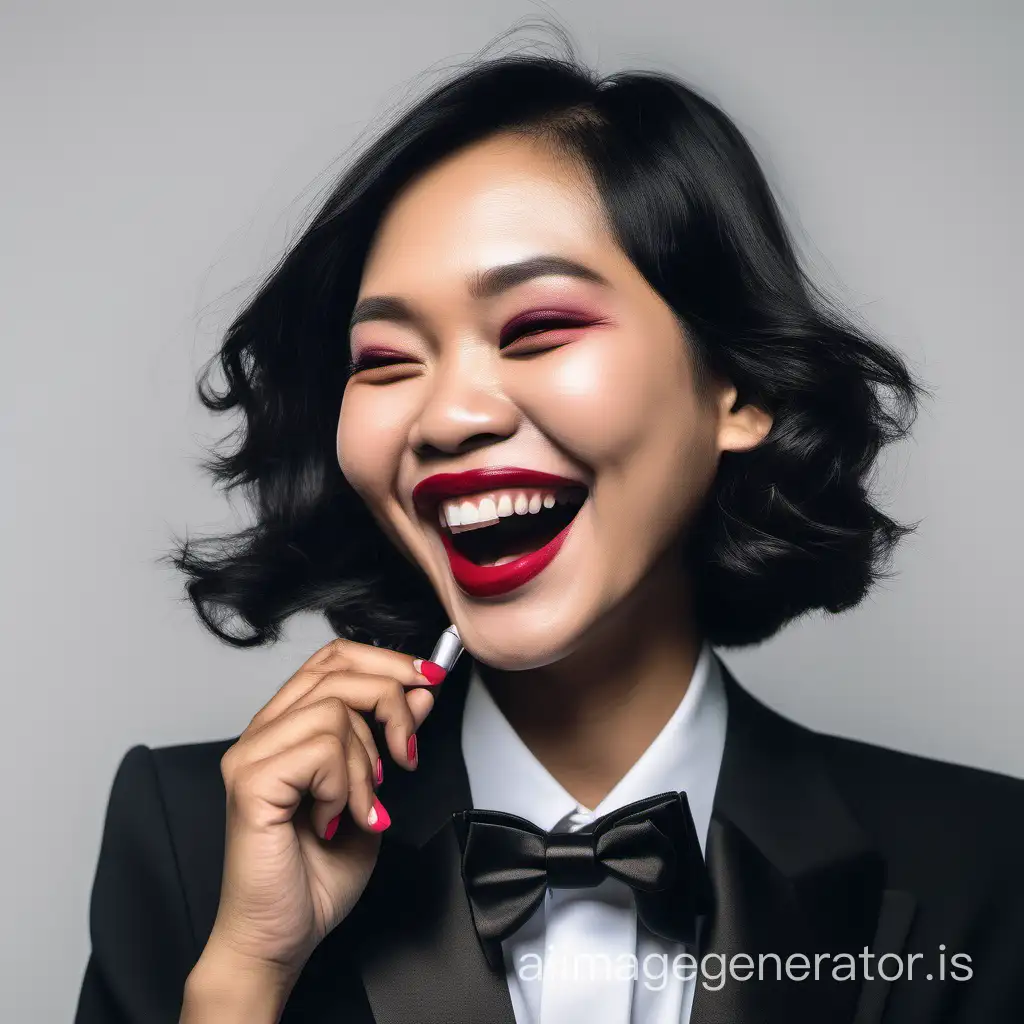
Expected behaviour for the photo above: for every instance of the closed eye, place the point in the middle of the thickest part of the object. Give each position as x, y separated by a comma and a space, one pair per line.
373, 359
534, 326
531, 325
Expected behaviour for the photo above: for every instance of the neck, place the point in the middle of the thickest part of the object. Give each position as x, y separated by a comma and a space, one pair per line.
589, 716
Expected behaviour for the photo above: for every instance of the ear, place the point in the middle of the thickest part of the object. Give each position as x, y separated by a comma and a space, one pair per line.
743, 428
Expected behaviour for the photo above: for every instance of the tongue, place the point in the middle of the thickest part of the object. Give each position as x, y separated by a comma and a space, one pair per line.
512, 558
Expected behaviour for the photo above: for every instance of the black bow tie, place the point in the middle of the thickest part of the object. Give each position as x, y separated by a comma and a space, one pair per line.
651, 845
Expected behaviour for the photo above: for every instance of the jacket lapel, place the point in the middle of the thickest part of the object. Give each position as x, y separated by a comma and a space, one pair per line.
794, 875
419, 955
894, 920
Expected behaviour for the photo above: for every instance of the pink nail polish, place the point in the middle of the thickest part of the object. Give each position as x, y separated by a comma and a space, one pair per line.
433, 674
379, 772
332, 827
411, 749
378, 818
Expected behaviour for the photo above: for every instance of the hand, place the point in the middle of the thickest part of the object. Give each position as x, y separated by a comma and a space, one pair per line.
291, 875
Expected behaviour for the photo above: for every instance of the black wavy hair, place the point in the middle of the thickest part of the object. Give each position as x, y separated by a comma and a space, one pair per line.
788, 526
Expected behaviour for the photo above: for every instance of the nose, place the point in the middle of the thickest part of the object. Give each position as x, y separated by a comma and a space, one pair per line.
465, 407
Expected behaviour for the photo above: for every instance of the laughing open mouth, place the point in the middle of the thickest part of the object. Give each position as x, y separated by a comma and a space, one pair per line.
500, 526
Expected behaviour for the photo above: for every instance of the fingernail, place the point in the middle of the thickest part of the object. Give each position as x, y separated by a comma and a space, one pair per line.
433, 674
378, 819
332, 827
379, 772
411, 749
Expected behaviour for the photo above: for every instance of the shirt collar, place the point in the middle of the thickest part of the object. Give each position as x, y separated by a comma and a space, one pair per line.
686, 755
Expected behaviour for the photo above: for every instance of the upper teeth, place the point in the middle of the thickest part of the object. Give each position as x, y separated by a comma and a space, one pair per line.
480, 510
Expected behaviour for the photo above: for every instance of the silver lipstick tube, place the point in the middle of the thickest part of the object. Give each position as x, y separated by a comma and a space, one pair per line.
447, 649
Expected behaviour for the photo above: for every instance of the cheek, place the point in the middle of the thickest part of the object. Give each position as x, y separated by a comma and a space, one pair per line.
609, 398
369, 443
627, 410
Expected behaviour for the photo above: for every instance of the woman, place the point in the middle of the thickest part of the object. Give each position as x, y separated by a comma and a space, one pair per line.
545, 367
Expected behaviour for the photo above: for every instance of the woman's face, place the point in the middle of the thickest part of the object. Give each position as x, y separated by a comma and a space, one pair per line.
500, 327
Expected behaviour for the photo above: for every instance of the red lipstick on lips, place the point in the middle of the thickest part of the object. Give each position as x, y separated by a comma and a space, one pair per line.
491, 580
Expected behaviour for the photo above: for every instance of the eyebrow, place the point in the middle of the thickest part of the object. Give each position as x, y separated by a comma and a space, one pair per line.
485, 285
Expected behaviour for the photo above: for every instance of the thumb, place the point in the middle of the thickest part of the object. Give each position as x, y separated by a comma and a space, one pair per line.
421, 703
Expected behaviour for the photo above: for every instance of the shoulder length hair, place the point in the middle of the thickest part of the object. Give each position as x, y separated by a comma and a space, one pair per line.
787, 527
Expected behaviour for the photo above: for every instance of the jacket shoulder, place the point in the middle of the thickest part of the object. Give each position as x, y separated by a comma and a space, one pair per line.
191, 789
931, 815
192, 766
892, 774
156, 887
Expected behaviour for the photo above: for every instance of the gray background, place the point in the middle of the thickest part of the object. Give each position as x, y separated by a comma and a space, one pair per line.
156, 158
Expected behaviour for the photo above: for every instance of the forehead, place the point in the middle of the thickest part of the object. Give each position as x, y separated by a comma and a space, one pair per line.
498, 201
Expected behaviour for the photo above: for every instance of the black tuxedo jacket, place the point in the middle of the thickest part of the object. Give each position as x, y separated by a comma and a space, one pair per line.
818, 845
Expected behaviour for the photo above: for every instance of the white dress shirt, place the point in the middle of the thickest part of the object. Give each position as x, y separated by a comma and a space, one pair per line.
583, 956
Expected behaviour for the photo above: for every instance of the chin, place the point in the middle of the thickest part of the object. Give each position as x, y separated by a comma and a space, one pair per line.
514, 654
523, 634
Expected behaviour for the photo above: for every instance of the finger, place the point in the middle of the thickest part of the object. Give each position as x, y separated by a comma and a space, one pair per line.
362, 730
298, 683
340, 655
420, 702
378, 661
328, 715
361, 797
386, 699
268, 792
